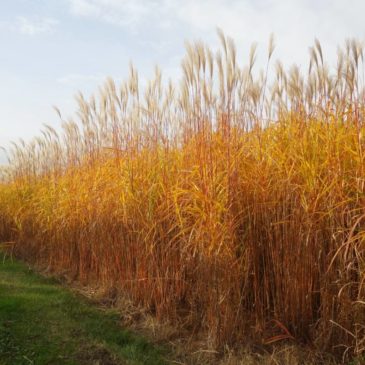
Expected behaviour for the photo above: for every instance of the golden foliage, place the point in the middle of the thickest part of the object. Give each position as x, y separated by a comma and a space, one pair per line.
227, 202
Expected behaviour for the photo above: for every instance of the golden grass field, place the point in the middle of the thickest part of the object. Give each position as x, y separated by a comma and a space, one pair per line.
231, 202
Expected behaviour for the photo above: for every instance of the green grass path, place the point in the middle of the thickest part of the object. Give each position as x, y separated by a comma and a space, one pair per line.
42, 323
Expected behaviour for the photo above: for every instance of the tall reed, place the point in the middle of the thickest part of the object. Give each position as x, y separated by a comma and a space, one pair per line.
231, 202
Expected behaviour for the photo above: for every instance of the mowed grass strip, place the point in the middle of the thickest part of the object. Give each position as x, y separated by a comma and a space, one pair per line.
43, 323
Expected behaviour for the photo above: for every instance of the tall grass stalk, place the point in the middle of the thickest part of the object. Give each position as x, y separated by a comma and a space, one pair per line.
226, 202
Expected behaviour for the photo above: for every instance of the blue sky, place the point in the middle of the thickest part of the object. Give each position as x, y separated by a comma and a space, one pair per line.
50, 49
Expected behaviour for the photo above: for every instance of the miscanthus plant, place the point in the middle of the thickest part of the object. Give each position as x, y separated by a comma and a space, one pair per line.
230, 202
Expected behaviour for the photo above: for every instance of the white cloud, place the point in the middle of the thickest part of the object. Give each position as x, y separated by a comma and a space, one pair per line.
31, 27
118, 12
84, 8
295, 23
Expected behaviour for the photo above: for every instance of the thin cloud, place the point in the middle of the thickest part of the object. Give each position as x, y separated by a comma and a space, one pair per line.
31, 27
294, 23
127, 13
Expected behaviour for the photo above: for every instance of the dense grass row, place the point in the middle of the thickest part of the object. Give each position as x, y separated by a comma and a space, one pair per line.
226, 203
